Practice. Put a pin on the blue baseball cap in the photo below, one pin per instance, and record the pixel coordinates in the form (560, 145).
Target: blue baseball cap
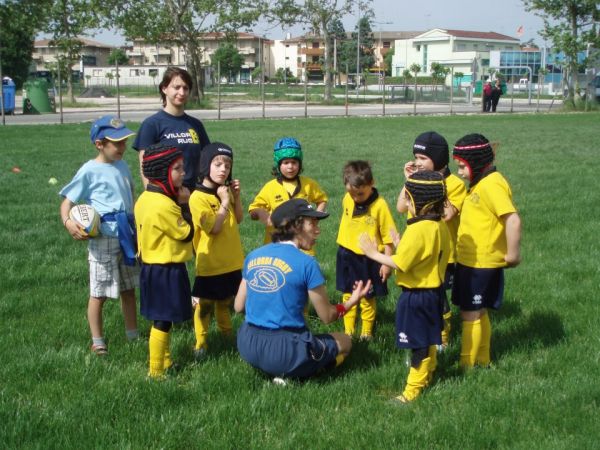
(111, 128)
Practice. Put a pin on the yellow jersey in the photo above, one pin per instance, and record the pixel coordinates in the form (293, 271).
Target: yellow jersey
(457, 192)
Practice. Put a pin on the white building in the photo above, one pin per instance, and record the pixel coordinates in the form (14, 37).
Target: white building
(464, 51)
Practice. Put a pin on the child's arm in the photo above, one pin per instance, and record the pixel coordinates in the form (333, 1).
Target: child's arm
(236, 190)
(74, 230)
(239, 304)
(369, 246)
(512, 224)
(262, 215)
(144, 179)
(385, 271)
(450, 211)
(402, 203)
(329, 313)
(223, 211)
(322, 206)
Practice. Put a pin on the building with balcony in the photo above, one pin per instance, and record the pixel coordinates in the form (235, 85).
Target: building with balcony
(92, 53)
(463, 51)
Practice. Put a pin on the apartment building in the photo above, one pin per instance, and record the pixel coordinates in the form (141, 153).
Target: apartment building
(93, 53)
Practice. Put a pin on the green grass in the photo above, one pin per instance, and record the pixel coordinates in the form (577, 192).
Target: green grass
(543, 391)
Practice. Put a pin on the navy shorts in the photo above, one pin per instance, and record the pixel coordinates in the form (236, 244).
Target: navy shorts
(351, 267)
(449, 277)
(419, 321)
(165, 292)
(475, 289)
(292, 353)
(217, 287)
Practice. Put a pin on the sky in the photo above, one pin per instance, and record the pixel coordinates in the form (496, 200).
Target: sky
(503, 17)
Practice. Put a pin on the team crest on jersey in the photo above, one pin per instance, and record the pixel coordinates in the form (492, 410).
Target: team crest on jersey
(475, 198)
(477, 299)
(402, 337)
(266, 278)
(194, 136)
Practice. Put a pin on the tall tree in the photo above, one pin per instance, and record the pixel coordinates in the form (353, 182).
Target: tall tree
(67, 21)
(365, 41)
(229, 58)
(570, 26)
(318, 16)
(182, 22)
(19, 22)
(118, 55)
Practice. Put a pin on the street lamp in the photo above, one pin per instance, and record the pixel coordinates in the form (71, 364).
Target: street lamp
(356, 79)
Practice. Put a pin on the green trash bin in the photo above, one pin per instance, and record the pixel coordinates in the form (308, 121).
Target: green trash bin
(477, 88)
(35, 97)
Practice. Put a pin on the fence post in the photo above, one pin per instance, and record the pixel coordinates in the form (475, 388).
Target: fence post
(383, 96)
(218, 90)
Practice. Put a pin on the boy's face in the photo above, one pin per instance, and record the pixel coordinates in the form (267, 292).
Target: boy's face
(111, 151)
(463, 170)
(360, 194)
(307, 237)
(289, 168)
(220, 168)
(423, 162)
(177, 173)
(177, 92)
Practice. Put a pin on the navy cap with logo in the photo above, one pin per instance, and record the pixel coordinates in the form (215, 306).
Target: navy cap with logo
(434, 146)
(111, 128)
(210, 152)
(292, 209)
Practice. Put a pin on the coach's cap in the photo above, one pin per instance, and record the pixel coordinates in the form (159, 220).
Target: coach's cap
(292, 209)
(111, 128)
(434, 146)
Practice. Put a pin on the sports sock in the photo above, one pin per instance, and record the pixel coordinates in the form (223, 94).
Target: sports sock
(349, 317)
(98, 341)
(483, 354)
(157, 344)
(202, 316)
(417, 380)
(368, 310)
(339, 359)
(432, 353)
(471, 340)
(132, 335)
(223, 316)
(447, 327)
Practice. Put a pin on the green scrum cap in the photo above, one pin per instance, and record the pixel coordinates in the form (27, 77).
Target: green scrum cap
(286, 148)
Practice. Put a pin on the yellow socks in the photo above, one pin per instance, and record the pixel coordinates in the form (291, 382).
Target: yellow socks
(202, 314)
(349, 317)
(471, 340)
(417, 380)
(447, 326)
(223, 316)
(483, 354)
(158, 345)
(432, 353)
(368, 310)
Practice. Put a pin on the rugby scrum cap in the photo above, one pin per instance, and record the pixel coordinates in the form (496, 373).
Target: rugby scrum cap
(434, 146)
(157, 164)
(210, 152)
(292, 209)
(286, 148)
(111, 128)
(425, 188)
(476, 152)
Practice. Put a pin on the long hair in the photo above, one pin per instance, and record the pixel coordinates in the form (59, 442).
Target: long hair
(168, 76)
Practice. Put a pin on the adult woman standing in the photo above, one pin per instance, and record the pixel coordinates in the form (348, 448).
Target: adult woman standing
(278, 280)
(172, 126)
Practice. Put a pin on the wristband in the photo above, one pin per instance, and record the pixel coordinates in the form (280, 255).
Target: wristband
(341, 309)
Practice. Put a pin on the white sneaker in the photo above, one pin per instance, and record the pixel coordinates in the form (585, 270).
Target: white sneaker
(279, 381)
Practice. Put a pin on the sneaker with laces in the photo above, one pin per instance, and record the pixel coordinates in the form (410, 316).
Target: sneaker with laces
(100, 349)
(279, 381)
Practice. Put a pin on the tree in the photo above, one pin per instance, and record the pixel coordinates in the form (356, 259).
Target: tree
(230, 59)
(318, 15)
(118, 55)
(438, 72)
(182, 22)
(570, 25)
(110, 76)
(459, 76)
(415, 68)
(67, 21)
(366, 58)
(387, 61)
(19, 22)
(337, 36)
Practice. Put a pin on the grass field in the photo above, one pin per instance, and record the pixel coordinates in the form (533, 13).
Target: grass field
(543, 391)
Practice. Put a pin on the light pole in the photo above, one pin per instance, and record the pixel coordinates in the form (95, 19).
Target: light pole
(358, 51)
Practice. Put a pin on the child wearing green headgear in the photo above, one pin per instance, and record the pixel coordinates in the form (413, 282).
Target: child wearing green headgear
(288, 184)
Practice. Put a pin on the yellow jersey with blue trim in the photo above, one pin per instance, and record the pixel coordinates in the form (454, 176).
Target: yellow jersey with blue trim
(457, 192)
(219, 253)
(376, 220)
(481, 241)
(275, 192)
(422, 254)
(161, 230)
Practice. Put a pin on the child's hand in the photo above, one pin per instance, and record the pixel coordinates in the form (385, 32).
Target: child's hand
(75, 231)
(235, 187)
(367, 245)
(384, 273)
(223, 194)
(183, 195)
(409, 168)
(395, 237)
(512, 260)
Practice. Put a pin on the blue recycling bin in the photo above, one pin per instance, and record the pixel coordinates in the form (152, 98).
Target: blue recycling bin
(9, 90)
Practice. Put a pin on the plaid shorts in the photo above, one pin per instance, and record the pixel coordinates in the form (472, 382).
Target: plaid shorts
(109, 276)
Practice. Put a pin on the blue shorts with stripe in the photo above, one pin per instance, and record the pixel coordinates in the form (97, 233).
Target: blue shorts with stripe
(419, 321)
(165, 292)
(292, 353)
(475, 289)
(351, 267)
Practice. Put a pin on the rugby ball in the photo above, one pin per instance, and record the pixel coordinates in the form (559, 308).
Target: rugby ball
(87, 218)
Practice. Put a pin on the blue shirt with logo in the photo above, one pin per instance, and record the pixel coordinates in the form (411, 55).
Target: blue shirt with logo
(278, 278)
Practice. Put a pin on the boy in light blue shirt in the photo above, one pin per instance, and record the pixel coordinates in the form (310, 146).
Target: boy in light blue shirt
(106, 184)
